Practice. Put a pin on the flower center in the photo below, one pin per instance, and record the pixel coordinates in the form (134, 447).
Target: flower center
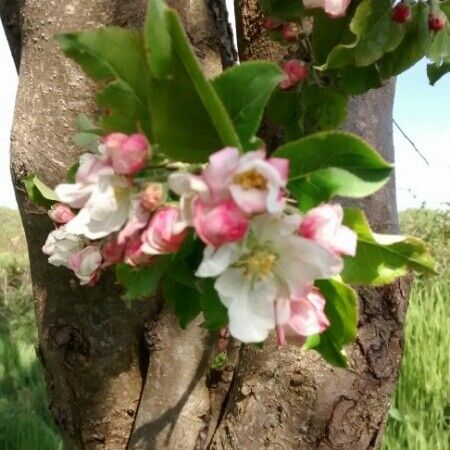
(259, 264)
(121, 193)
(251, 179)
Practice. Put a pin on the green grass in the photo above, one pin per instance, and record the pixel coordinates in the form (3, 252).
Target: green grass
(25, 422)
(420, 412)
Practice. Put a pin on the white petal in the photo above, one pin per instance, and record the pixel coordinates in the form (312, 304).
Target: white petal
(215, 261)
(252, 312)
(75, 195)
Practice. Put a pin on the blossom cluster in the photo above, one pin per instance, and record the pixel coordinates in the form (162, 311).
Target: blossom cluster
(263, 254)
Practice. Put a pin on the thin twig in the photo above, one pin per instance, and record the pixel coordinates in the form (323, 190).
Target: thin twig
(411, 142)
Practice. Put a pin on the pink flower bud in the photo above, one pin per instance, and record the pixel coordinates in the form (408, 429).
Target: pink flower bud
(269, 23)
(86, 264)
(60, 213)
(165, 232)
(295, 72)
(153, 196)
(436, 22)
(290, 32)
(401, 12)
(334, 8)
(133, 252)
(219, 224)
(128, 154)
(112, 251)
(324, 226)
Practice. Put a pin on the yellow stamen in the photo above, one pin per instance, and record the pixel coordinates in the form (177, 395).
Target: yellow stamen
(251, 179)
(259, 264)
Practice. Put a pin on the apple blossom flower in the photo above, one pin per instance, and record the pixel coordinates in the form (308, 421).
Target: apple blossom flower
(295, 71)
(334, 8)
(128, 154)
(60, 245)
(323, 225)
(303, 316)
(272, 262)
(91, 168)
(165, 232)
(85, 264)
(252, 181)
(60, 213)
(219, 224)
(103, 196)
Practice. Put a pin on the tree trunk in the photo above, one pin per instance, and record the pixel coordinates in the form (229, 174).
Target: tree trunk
(114, 371)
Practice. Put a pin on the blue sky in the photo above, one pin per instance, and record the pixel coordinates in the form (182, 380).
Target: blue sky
(421, 110)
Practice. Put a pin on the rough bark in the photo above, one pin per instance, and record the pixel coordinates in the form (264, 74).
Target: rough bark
(98, 354)
(91, 345)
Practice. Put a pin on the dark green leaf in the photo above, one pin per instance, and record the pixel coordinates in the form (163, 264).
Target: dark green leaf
(214, 312)
(189, 119)
(435, 73)
(184, 301)
(341, 308)
(333, 163)
(413, 46)
(358, 80)
(322, 108)
(39, 192)
(382, 258)
(287, 10)
(245, 90)
(141, 281)
(72, 171)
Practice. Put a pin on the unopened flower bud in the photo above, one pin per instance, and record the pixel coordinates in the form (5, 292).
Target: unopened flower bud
(401, 12)
(295, 72)
(60, 213)
(290, 32)
(112, 251)
(153, 196)
(128, 154)
(436, 22)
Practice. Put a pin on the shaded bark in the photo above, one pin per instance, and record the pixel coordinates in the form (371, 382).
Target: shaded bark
(113, 370)
(10, 11)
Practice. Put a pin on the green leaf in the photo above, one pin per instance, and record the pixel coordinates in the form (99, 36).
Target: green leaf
(72, 172)
(220, 361)
(358, 80)
(382, 258)
(184, 301)
(374, 33)
(413, 46)
(155, 30)
(141, 281)
(85, 124)
(39, 192)
(332, 163)
(86, 140)
(214, 312)
(117, 55)
(245, 90)
(189, 119)
(341, 308)
(322, 108)
(435, 73)
(327, 34)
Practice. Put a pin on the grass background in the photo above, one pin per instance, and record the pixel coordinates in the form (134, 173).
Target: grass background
(419, 417)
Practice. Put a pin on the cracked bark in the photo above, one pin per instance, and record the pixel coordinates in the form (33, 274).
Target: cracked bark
(98, 354)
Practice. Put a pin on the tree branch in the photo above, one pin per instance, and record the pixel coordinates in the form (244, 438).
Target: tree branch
(10, 11)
